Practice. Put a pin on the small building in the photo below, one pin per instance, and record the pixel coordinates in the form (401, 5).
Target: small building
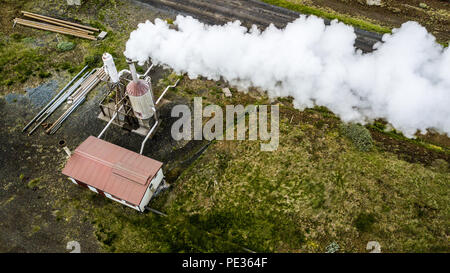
(115, 172)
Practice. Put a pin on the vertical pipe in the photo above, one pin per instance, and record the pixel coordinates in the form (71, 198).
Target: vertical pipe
(149, 133)
(133, 70)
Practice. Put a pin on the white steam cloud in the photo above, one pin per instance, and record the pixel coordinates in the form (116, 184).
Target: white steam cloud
(406, 80)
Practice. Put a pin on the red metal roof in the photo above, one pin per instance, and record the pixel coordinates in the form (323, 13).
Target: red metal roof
(112, 169)
(137, 89)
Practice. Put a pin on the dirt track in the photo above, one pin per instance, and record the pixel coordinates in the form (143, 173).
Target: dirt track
(248, 12)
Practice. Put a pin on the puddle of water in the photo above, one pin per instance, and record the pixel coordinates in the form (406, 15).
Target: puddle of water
(42, 94)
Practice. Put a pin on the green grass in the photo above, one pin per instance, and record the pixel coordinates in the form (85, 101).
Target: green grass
(35, 228)
(18, 62)
(359, 135)
(23, 60)
(44, 74)
(34, 183)
(322, 197)
(113, 44)
(320, 13)
(444, 44)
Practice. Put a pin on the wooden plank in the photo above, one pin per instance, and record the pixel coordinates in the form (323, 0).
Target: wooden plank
(58, 23)
(63, 21)
(54, 29)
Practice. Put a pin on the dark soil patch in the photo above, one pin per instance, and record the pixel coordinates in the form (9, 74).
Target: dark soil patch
(318, 117)
(407, 151)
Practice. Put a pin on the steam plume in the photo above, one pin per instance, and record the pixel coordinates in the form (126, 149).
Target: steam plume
(406, 80)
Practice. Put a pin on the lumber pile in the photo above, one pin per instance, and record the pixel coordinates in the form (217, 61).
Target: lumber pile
(58, 26)
(78, 97)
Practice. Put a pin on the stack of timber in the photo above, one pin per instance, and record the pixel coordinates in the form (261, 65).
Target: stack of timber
(74, 93)
(59, 26)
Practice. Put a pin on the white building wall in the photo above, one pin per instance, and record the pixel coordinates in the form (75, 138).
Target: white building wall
(121, 201)
(73, 180)
(92, 189)
(73, 2)
(147, 197)
(151, 189)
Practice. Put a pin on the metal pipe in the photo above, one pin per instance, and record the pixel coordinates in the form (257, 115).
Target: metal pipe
(85, 91)
(165, 90)
(53, 100)
(55, 126)
(68, 111)
(59, 102)
(133, 71)
(148, 135)
(83, 86)
(67, 115)
(146, 72)
(48, 113)
(86, 86)
(70, 91)
(63, 98)
(121, 72)
(64, 116)
(155, 211)
(77, 101)
(110, 121)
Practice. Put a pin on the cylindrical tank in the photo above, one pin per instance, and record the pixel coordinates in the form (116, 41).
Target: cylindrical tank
(110, 67)
(141, 95)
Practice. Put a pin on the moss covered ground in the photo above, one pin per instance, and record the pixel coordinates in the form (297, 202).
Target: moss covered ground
(29, 56)
(303, 8)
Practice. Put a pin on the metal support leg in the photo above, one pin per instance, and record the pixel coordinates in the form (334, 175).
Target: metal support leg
(110, 121)
(148, 135)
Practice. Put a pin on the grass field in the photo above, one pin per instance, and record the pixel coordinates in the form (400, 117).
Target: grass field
(305, 9)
